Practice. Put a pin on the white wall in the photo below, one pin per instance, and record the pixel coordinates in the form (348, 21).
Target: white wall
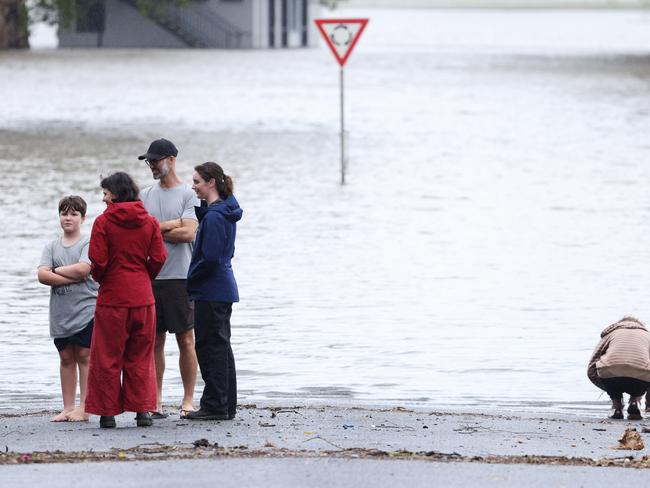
(43, 36)
(315, 12)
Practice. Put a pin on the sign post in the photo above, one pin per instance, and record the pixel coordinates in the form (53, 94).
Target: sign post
(341, 36)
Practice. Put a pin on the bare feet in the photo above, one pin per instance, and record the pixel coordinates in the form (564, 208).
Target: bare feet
(78, 415)
(62, 417)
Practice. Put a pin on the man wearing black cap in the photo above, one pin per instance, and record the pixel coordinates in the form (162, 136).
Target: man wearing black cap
(172, 202)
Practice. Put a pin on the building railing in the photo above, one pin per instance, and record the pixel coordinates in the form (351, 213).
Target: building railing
(198, 26)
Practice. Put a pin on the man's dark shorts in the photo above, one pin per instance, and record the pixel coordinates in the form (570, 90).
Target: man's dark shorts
(81, 338)
(174, 311)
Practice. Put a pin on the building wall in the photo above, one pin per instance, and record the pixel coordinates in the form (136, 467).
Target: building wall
(315, 12)
(259, 25)
(69, 38)
(125, 27)
(294, 22)
(238, 13)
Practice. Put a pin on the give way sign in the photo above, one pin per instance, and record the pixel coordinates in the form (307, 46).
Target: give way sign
(341, 35)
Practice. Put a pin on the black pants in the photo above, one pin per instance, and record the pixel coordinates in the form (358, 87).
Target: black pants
(213, 351)
(615, 387)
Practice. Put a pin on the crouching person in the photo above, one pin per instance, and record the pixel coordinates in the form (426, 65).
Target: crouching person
(621, 364)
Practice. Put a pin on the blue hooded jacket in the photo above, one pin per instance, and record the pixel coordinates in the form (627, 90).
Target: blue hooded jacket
(210, 276)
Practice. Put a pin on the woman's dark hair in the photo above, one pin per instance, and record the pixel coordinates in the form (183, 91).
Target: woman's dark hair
(212, 171)
(122, 186)
(72, 202)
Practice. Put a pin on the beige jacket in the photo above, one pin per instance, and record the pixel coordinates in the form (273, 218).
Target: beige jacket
(623, 351)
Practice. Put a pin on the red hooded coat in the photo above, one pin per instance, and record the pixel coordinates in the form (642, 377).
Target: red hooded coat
(127, 252)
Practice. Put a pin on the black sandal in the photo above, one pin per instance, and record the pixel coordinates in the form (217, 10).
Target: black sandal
(158, 415)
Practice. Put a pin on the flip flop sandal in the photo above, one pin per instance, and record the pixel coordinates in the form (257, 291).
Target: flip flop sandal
(158, 415)
(183, 412)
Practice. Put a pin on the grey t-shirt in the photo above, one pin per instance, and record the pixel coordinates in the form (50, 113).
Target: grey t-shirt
(169, 204)
(71, 306)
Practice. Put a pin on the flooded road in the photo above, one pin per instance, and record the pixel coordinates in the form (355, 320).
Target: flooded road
(496, 216)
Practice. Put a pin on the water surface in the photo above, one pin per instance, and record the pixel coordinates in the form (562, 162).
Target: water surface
(495, 218)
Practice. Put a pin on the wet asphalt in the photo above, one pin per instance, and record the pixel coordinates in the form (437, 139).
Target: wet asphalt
(297, 445)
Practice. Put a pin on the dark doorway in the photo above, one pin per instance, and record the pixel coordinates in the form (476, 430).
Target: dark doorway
(305, 23)
(285, 23)
(92, 18)
(271, 23)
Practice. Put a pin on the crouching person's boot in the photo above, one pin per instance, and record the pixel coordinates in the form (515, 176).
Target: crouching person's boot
(617, 409)
(633, 410)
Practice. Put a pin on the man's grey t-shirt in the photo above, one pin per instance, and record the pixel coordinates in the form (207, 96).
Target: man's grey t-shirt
(169, 204)
(71, 306)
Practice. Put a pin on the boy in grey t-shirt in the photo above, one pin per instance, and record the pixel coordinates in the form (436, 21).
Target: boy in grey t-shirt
(66, 268)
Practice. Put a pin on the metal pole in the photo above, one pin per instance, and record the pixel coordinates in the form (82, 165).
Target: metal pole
(342, 133)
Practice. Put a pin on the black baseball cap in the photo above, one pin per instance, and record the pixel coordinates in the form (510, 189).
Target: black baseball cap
(158, 149)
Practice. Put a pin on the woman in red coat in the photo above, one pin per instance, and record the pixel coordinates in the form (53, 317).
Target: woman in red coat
(127, 252)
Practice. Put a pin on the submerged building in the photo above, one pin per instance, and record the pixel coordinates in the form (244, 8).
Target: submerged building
(202, 24)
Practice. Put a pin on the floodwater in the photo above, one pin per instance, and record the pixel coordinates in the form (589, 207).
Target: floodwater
(496, 216)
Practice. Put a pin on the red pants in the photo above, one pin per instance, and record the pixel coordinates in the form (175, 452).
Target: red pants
(122, 346)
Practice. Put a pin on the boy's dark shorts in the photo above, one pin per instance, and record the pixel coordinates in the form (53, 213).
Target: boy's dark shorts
(81, 338)
(174, 311)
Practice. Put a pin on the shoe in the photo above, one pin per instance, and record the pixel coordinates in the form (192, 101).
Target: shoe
(617, 414)
(202, 414)
(633, 412)
(158, 415)
(107, 422)
(143, 419)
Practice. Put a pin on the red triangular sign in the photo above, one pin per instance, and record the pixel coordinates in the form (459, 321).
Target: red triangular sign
(341, 35)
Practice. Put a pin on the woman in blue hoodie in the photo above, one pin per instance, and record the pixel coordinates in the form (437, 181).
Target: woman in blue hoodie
(211, 285)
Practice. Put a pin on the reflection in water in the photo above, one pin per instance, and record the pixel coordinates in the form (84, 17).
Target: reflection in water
(494, 222)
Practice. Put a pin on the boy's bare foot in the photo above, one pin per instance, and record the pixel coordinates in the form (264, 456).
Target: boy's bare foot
(78, 415)
(62, 417)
